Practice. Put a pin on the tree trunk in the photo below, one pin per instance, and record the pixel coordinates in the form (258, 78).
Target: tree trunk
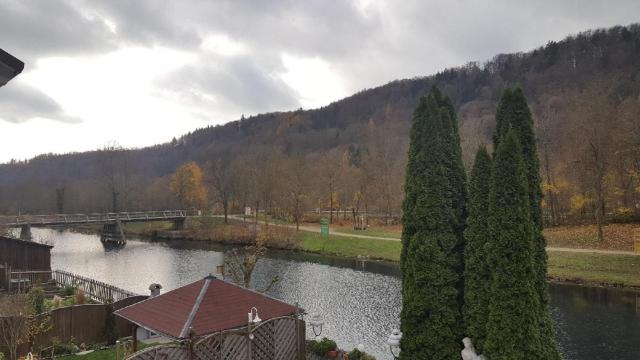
(550, 194)
(330, 203)
(114, 201)
(255, 222)
(225, 205)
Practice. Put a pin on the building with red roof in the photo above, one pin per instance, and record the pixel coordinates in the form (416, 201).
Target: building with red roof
(204, 307)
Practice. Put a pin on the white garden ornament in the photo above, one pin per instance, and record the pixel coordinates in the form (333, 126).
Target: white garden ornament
(469, 352)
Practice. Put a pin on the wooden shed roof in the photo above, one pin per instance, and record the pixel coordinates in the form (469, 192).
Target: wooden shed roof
(25, 242)
(206, 306)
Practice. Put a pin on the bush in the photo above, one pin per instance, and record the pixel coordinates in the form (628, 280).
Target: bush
(68, 290)
(60, 348)
(278, 237)
(36, 300)
(356, 354)
(311, 218)
(1, 356)
(79, 297)
(323, 347)
(623, 215)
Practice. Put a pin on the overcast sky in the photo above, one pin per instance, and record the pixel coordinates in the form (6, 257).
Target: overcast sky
(141, 72)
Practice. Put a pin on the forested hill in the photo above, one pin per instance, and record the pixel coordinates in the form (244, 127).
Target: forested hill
(584, 93)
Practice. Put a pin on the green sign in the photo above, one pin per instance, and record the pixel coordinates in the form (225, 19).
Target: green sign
(324, 227)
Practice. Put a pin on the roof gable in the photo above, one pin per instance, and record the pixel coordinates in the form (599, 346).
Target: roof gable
(205, 306)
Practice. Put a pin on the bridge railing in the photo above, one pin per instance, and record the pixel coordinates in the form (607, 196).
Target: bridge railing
(91, 218)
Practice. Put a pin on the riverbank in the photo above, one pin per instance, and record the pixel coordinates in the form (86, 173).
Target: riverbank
(564, 265)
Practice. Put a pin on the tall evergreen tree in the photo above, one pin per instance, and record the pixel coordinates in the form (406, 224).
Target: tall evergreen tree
(514, 113)
(430, 261)
(512, 325)
(457, 174)
(457, 178)
(477, 273)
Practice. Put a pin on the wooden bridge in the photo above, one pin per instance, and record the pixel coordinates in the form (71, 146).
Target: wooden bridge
(112, 229)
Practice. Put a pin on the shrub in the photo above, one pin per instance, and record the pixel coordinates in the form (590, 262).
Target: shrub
(36, 300)
(79, 297)
(1, 356)
(68, 290)
(60, 348)
(325, 345)
(278, 237)
(622, 215)
(109, 325)
(356, 354)
(312, 346)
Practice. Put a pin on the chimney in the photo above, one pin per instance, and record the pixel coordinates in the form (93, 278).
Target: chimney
(155, 289)
(220, 272)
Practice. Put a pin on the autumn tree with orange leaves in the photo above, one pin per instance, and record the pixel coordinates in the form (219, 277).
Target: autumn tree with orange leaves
(187, 184)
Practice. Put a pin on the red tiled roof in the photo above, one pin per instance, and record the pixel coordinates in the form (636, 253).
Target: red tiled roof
(207, 306)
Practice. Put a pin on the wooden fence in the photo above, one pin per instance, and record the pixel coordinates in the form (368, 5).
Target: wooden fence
(97, 290)
(280, 338)
(81, 324)
(20, 281)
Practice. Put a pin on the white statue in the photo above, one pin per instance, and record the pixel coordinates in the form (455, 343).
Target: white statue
(469, 351)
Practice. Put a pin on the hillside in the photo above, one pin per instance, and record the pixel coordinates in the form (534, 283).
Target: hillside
(584, 92)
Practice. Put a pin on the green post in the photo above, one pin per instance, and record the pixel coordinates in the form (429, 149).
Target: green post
(324, 227)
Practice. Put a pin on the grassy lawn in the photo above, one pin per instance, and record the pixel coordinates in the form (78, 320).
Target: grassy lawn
(349, 246)
(563, 266)
(616, 236)
(380, 231)
(595, 268)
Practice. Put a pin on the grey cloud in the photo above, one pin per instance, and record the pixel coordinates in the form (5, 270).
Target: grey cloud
(393, 39)
(238, 85)
(151, 22)
(20, 102)
(30, 29)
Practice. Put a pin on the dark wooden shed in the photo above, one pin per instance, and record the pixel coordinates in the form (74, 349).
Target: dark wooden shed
(22, 255)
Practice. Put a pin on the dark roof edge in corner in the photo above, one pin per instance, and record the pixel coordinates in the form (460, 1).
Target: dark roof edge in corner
(11, 61)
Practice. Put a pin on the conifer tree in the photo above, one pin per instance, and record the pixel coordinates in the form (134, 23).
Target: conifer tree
(514, 113)
(513, 332)
(457, 178)
(430, 262)
(457, 174)
(477, 273)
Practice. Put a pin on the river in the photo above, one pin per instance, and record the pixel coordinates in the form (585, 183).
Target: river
(359, 301)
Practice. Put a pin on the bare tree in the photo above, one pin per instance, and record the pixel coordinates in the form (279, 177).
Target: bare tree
(596, 148)
(222, 176)
(239, 264)
(114, 169)
(330, 171)
(296, 190)
(14, 324)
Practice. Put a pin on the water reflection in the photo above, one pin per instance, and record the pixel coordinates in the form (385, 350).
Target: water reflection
(359, 301)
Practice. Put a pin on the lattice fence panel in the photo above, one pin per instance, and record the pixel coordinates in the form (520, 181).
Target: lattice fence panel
(208, 348)
(235, 347)
(263, 344)
(162, 353)
(286, 339)
(275, 339)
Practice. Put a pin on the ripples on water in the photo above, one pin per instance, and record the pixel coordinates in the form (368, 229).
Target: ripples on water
(359, 302)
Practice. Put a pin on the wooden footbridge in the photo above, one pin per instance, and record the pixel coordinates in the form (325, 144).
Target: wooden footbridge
(112, 229)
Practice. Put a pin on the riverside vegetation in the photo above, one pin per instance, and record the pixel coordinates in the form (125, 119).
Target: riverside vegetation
(598, 269)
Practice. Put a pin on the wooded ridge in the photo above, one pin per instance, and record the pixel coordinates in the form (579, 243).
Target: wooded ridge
(584, 93)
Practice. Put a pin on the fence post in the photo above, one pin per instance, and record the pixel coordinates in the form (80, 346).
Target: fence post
(637, 241)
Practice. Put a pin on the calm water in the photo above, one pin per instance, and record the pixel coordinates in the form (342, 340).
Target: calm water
(360, 302)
